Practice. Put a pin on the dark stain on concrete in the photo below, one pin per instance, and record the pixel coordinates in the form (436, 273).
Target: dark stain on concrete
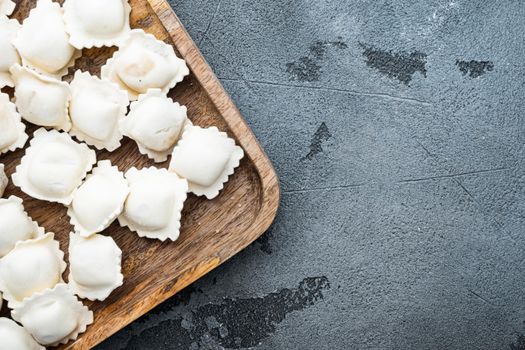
(264, 241)
(519, 344)
(475, 69)
(233, 323)
(316, 146)
(396, 65)
(308, 68)
(181, 298)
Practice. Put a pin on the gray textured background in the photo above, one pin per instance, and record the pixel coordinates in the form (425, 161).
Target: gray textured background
(397, 129)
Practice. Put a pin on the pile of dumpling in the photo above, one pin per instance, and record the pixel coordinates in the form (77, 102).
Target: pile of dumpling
(129, 99)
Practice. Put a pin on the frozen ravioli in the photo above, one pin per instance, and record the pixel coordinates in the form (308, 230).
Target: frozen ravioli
(53, 316)
(95, 109)
(205, 157)
(155, 122)
(144, 63)
(99, 200)
(154, 205)
(31, 267)
(41, 100)
(53, 167)
(43, 42)
(15, 337)
(89, 26)
(15, 225)
(9, 56)
(12, 130)
(95, 266)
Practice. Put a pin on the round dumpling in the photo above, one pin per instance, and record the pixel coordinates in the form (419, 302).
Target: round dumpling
(95, 110)
(31, 267)
(41, 100)
(88, 26)
(53, 167)
(95, 266)
(9, 56)
(53, 316)
(155, 122)
(99, 200)
(43, 42)
(15, 337)
(12, 132)
(154, 205)
(144, 63)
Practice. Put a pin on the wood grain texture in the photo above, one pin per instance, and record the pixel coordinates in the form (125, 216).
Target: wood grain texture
(212, 231)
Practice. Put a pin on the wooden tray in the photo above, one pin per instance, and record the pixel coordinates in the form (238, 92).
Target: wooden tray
(212, 231)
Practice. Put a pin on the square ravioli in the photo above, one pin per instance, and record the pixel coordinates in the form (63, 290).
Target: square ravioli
(143, 62)
(205, 157)
(96, 108)
(43, 43)
(90, 27)
(154, 205)
(41, 100)
(53, 316)
(31, 267)
(99, 200)
(95, 266)
(53, 167)
(156, 123)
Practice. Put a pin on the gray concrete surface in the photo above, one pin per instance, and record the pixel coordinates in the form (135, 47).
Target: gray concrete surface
(397, 129)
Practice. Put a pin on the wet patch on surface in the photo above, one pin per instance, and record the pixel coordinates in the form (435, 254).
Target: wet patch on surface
(396, 65)
(181, 298)
(308, 68)
(264, 241)
(475, 69)
(519, 344)
(233, 323)
(316, 146)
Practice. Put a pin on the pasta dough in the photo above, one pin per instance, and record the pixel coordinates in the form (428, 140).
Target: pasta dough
(43, 42)
(96, 108)
(7, 7)
(90, 26)
(41, 100)
(154, 205)
(15, 225)
(9, 56)
(31, 267)
(155, 122)
(144, 63)
(53, 316)
(99, 200)
(95, 266)
(53, 167)
(206, 158)
(12, 130)
(15, 337)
